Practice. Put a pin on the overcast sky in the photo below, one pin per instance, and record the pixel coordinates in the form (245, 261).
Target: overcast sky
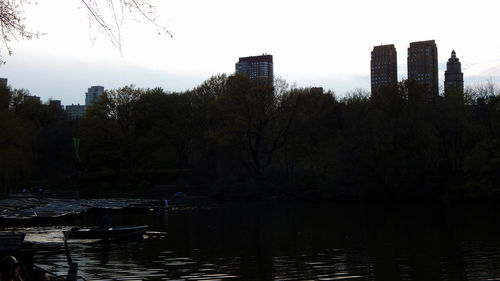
(313, 43)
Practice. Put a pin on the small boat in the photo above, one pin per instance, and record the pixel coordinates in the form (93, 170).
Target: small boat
(11, 241)
(13, 254)
(119, 232)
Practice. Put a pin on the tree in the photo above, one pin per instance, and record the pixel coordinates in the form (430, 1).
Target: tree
(482, 160)
(201, 99)
(105, 15)
(15, 152)
(248, 119)
(313, 118)
(106, 129)
(12, 22)
(165, 129)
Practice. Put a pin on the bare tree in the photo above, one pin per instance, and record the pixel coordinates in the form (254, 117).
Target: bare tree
(12, 23)
(107, 16)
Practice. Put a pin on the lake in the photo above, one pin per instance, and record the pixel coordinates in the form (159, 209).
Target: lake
(327, 241)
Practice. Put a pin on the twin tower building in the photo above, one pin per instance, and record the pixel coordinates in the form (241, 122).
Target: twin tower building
(422, 67)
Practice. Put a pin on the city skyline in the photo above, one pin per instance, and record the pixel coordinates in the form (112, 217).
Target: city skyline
(384, 70)
(317, 51)
(422, 67)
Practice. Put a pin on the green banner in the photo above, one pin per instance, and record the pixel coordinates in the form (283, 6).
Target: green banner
(76, 142)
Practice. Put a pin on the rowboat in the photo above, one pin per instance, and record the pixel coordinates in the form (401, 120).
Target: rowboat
(119, 232)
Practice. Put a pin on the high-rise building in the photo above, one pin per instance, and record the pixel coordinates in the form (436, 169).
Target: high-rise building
(384, 66)
(423, 66)
(92, 94)
(33, 99)
(55, 104)
(75, 111)
(317, 90)
(3, 82)
(453, 76)
(256, 67)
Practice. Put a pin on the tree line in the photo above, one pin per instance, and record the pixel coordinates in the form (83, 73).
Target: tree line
(232, 137)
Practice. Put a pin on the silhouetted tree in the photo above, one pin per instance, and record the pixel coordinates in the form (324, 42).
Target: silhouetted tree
(237, 132)
(168, 123)
(15, 152)
(310, 150)
(247, 115)
(202, 99)
(482, 158)
(106, 129)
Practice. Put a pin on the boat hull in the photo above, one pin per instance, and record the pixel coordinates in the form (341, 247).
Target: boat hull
(107, 233)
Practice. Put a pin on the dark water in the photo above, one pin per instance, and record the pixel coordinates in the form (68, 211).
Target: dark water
(290, 242)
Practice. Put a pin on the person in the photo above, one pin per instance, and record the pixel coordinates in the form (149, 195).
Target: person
(105, 221)
(11, 269)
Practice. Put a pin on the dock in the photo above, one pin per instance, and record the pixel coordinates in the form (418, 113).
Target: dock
(46, 210)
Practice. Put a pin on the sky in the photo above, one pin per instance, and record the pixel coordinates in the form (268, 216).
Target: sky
(314, 43)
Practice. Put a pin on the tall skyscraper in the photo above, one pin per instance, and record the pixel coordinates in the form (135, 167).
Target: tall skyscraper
(423, 66)
(384, 66)
(3, 82)
(453, 76)
(256, 67)
(92, 93)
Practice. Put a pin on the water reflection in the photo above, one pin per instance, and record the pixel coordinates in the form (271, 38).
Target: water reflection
(325, 265)
(289, 242)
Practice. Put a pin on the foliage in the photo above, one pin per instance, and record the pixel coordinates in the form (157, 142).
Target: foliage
(233, 137)
(107, 128)
(15, 153)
